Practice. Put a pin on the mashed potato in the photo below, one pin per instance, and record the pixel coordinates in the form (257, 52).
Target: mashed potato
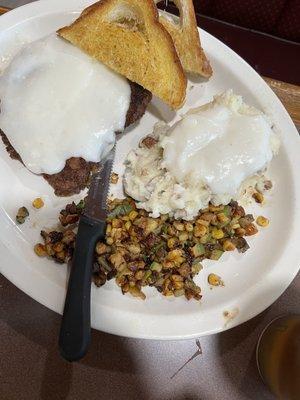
(207, 156)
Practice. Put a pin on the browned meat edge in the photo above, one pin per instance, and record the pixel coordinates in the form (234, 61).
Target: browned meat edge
(76, 174)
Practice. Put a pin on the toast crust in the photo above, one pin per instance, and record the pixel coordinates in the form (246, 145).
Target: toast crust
(187, 40)
(126, 35)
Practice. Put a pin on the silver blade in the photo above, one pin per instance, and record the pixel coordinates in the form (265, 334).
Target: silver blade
(96, 201)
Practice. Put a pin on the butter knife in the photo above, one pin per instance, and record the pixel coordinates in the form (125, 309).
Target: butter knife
(75, 331)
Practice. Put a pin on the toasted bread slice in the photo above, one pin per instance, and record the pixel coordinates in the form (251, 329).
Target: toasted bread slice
(186, 38)
(126, 36)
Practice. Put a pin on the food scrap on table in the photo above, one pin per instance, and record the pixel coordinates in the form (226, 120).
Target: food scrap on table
(230, 315)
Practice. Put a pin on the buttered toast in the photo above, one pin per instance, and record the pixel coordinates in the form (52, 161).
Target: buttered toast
(126, 35)
(186, 39)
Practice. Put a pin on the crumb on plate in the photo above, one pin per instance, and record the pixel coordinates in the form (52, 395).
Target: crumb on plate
(22, 214)
(258, 197)
(38, 203)
(215, 280)
(262, 221)
(114, 178)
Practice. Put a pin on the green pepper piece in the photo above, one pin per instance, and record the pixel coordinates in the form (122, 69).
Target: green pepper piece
(155, 266)
(216, 254)
(122, 209)
(198, 250)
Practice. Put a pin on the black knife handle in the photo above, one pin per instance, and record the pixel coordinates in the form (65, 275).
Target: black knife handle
(75, 330)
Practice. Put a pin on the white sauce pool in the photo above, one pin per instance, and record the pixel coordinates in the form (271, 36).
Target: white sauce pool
(57, 103)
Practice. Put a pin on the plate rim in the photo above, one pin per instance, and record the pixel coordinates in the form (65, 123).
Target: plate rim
(45, 7)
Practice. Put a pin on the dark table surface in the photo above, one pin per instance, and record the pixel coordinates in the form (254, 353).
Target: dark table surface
(122, 368)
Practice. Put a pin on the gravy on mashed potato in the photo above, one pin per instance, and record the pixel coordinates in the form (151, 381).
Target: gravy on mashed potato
(204, 157)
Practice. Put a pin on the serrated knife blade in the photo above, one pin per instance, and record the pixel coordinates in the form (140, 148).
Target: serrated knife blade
(96, 201)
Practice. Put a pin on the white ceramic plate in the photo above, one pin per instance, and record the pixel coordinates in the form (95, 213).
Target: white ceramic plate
(252, 281)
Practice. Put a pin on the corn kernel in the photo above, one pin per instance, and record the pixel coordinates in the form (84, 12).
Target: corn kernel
(132, 232)
(178, 225)
(171, 230)
(101, 248)
(222, 218)
(118, 261)
(38, 203)
(177, 278)
(215, 280)
(109, 241)
(207, 216)
(202, 222)
(40, 250)
(108, 229)
(68, 236)
(116, 223)
(178, 285)
(134, 248)
(217, 233)
(262, 221)
(200, 230)
(179, 260)
(189, 227)
(152, 224)
(132, 215)
(128, 225)
(228, 245)
(119, 234)
(58, 247)
(171, 243)
(183, 237)
(49, 250)
(173, 255)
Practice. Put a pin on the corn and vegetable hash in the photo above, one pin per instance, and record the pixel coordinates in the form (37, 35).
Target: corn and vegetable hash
(161, 252)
